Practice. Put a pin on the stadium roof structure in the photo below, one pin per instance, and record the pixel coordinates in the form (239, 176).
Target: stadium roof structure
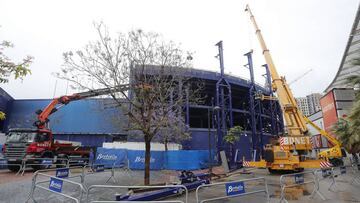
(352, 52)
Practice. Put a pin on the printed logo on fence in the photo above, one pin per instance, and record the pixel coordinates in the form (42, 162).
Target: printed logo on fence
(234, 188)
(62, 172)
(107, 157)
(342, 169)
(55, 185)
(99, 168)
(139, 159)
(47, 162)
(299, 178)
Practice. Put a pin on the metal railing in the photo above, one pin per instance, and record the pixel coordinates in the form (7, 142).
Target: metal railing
(11, 164)
(241, 191)
(175, 201)
(180, 190)
(60, 193)
(300, 179)
(356, 173)
(44, 162)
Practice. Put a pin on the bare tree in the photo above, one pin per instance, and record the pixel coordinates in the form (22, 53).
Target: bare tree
(153, 67)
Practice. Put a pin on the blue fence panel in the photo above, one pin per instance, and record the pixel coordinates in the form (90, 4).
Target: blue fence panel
(109, 157)
(187, 159)
(137, 159)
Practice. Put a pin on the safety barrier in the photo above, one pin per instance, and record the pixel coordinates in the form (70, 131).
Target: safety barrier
(175, 201)
(336, 173)
(236, 189)
(77, 161)
(4, 162)
(296, 179)
(96, 168)
(55, 184)
(45, 162)
(356, 173)
(180, 190)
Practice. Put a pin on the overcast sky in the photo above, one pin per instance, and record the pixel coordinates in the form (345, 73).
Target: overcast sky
(301, 35)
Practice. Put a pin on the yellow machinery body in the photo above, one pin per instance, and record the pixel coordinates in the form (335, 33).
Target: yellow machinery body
(290, 151)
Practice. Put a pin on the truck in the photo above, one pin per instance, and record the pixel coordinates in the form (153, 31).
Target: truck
(289, 151)
(34, 145)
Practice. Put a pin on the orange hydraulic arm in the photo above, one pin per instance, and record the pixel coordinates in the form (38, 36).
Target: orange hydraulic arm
(57, 103)
(295, 123)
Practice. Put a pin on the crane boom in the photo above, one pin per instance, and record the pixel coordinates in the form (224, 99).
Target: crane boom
(57, 103)
(295, 123)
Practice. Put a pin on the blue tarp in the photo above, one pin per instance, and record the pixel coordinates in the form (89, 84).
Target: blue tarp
(137, 159)
(108, 157)
(186, 159)
(172, 160)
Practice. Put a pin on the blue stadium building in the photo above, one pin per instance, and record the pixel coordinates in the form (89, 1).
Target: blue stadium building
(229, 101)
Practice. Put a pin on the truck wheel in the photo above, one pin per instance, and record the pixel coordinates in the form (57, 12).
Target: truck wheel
(14, 168)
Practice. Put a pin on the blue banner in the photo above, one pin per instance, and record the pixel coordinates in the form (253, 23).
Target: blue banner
(55, 185)
(299, 178)
(62, 172)
(109, 157)
(234, 188)
(137, 159)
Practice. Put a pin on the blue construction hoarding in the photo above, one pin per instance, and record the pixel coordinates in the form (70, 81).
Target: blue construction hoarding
(172, 160)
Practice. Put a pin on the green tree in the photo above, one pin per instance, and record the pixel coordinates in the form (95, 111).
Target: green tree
(9, 68)
(233, 135)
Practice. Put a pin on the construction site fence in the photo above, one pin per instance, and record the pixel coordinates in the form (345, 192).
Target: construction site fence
(349, 174)
(233, 189)
(44, 163)
(180, 189)
(88, 170)
(299, 179)
(55, 185)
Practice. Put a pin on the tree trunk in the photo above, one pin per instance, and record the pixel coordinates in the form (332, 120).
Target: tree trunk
(147, 162)
(166, 144)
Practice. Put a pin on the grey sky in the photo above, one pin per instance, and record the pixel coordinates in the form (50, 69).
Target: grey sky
(300, 35)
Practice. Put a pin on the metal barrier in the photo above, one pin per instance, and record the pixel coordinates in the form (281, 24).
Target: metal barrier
(55, 186)
(299, 179)
(181, 189)
(46, 162)
(59, 173)
(356, 173)
(78, 161)
(96, 168)
(338, 172)
(7, 164)
(235, 189)
(175, 201)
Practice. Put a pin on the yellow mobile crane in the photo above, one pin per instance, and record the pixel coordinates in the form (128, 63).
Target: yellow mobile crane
(289, 152)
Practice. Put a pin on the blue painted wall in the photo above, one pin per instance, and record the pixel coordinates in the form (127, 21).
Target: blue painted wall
(90, 116)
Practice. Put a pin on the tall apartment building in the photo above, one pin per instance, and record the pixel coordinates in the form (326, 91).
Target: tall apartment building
(309, 104)
(314, 102)
(303, 104)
